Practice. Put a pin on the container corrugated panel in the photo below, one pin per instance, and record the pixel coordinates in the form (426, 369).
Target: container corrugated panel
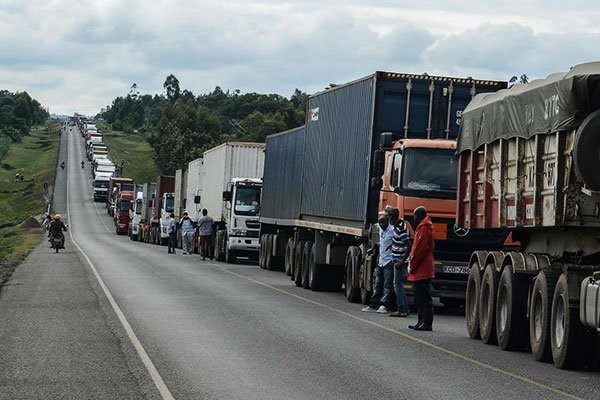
(221, 165)
(284, 155)
(337, 154)
(194, 187)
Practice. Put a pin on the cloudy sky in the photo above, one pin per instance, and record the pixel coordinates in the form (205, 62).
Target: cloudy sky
(77, 56)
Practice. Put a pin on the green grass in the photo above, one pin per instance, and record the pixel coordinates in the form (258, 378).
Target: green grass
(35, 159)
(135, 151)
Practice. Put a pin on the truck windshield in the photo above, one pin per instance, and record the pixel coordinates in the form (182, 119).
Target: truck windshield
(429, 172)
(247, 200)
(101, 184)
(124, 205)
(138, 207)
(127, 187)
(170, 204)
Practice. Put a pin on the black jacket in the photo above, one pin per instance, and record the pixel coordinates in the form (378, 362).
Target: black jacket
(57, 227)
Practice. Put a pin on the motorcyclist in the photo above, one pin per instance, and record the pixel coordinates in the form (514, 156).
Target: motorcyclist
(63, 165)
(56, 228)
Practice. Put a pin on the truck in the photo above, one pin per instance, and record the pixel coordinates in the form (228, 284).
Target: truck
(163, 203)
(387, 139)
(100, 187)
(112, 193)
(144, 224)
(123, 205)
(231, 187)
(528, 162)
(135, 213)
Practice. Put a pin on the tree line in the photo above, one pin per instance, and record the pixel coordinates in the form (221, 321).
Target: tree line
(18, 113)
(180, 125)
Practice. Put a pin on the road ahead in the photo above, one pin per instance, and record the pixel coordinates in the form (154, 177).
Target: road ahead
(194, 330)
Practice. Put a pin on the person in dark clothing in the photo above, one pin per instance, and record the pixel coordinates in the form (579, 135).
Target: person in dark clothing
(421, 269)
(172, 231)
(56, 228)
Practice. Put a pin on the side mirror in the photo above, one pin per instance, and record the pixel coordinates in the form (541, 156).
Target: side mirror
(196, 199)
(386, 140)
(227, 196)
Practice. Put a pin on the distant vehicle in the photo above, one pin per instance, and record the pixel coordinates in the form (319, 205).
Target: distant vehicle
(100, 187)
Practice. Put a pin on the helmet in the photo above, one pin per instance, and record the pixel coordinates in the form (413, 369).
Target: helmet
(57, 217)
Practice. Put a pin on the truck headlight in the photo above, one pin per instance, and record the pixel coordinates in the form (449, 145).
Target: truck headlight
(239, 232)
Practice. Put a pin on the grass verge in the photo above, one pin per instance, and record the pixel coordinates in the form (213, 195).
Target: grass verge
(135, 152)
(34, 158)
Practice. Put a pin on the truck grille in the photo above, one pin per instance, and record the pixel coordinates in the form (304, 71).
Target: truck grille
(253, 225)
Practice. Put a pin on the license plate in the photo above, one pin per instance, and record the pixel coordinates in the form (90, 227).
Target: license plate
(455, 269)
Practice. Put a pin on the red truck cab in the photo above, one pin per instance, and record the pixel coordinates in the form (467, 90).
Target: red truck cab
(123, 205)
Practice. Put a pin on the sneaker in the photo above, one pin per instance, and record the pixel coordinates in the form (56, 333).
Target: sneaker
(369, 309)
(382, 310)
(399, 314)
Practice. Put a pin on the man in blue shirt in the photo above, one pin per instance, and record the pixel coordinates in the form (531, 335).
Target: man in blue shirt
(400, 252)
(384, 273)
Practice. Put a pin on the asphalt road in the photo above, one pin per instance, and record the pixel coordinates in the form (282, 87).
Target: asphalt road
(207, 330)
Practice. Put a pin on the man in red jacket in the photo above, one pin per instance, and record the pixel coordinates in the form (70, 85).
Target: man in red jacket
(422, 269)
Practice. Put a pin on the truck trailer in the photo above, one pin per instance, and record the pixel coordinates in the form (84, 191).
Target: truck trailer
(528, 162)
(231, 187)
(145, 222)
(384, 140)
(163, 204)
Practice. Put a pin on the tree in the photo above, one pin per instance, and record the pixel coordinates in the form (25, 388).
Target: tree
(171, 86)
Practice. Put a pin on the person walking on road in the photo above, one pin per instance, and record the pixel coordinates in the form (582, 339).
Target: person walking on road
(187, 233)
(400, 252)
(421, 269)
(384, 274)
(172, 231)
(205, 233)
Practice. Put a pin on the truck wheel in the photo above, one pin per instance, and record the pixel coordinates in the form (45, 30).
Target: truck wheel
(365, 293)
(472, 301)
(539, 315)
(261, 252)
(298, 263)
(306, 263)
(289, 257)
(511, 310)
(164, 241)
(269, 251)
(135, 238)
(487, 304)
(587, 150)
(570, 341)
(219, 254)
(316, 273)
(353, 260)
(230, 256)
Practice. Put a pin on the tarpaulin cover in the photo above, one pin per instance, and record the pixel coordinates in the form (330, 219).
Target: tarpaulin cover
(558, 103)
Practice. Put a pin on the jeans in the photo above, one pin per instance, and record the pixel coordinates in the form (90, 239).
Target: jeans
(384, 285)
(399, 280)
(172, 242)
(188, 243)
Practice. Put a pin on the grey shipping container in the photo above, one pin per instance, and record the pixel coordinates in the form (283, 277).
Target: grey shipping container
(284, 155)
(343, 125)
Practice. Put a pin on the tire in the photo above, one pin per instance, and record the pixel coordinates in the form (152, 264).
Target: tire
(289, 257)
(487, 304)
(316, 272)
(306, 263)
(230, 256)
(571, 343)
(353, 261)
(135, 238)
(219, 256)
(261, 252)
(298, 263)
(512, 327)
(540, 315)
(587, 150)
(269, 252)
(472, 302)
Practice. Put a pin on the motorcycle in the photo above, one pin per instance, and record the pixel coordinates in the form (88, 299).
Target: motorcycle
(56, 241)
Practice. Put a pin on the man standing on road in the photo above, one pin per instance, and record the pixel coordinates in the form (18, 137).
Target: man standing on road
(187, 233)
(205, 233)
(172, 231)
(400, 253)
(384, 273)
(421, 269)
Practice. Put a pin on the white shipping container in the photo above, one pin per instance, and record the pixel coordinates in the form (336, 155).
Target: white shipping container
(194, 187)
(221, 165)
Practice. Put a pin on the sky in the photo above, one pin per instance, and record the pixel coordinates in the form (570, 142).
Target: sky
(77, 56)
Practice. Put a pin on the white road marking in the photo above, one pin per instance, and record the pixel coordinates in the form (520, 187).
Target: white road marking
(156, 378)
